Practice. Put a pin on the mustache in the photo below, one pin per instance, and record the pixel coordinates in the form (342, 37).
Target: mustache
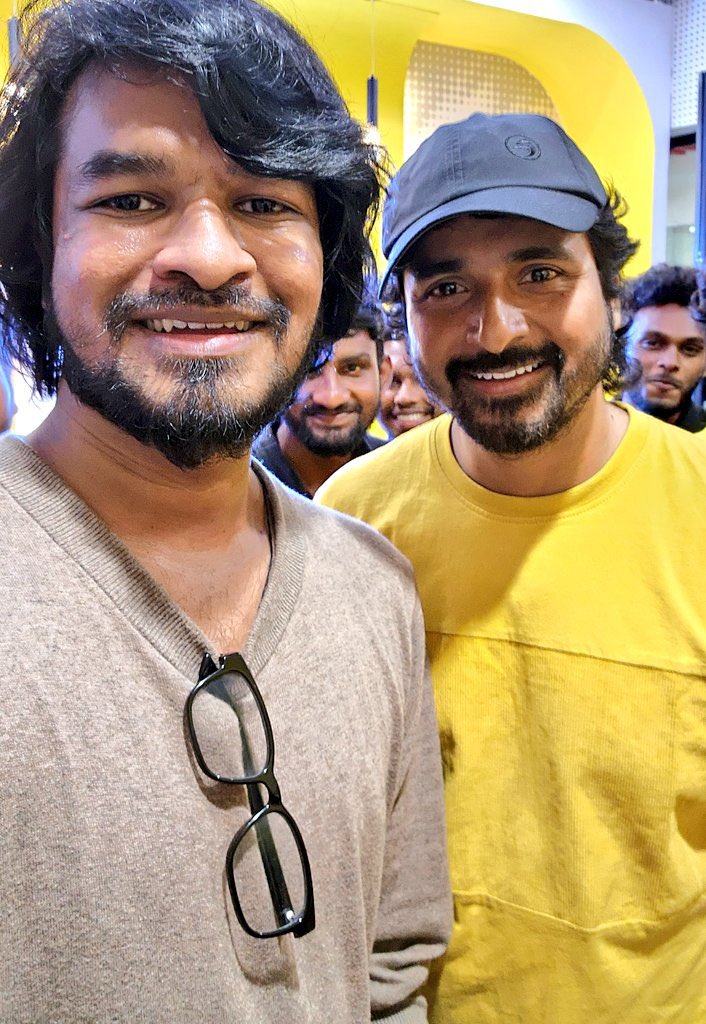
(311, 409)
(508, 359)
(128, 305)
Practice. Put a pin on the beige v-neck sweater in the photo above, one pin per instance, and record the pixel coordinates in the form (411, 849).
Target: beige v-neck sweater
(113, 900)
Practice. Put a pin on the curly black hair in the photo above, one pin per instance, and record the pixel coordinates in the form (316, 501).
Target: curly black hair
(267, 99)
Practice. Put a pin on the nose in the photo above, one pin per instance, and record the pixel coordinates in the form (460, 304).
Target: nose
(205, 246)
(409, 393)
(496, 323)
(327, 389)
(669, 358)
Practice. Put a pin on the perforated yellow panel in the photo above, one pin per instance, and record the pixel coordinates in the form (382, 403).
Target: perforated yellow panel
(447, 83)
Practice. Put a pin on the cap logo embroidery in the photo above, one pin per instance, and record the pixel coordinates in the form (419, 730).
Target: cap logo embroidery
(523, 146)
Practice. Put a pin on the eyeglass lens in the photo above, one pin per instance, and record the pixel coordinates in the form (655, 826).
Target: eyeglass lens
(229, 728)
(268, 873)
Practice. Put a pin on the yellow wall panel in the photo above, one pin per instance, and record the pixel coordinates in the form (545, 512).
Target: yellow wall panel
(596, 94)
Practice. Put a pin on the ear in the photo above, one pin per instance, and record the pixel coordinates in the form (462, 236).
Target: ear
(385, 373)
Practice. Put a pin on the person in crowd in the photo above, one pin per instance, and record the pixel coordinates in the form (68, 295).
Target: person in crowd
(567, 639)
(184, 200)
(404, 403)
(667, 343)
(326, 424)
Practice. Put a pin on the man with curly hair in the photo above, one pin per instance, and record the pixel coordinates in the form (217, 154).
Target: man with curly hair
(183, 209)
(667, 343)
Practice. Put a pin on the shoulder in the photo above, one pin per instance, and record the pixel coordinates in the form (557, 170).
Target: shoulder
(392, 470)
(265, 443)
(676, 457)
(341, 546)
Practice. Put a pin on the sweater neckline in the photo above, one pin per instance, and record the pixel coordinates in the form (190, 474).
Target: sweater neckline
(573, 500)
(85, 538)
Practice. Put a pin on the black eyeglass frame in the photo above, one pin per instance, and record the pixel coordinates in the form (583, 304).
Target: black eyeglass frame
(304, 922)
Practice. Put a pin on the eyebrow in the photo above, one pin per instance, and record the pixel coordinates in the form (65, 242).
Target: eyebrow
(110, 163)
(425, 269)
(541, 252)
(429, 268)
(690, 339)
(356, 357)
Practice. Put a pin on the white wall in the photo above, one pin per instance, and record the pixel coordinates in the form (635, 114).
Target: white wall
(642, 32)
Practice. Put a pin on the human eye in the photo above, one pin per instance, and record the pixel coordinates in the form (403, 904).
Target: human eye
(263, 205)
(352, 368)
(539, 275)
(650, 343)
(128, 202)
(444, 289)
(693, 350)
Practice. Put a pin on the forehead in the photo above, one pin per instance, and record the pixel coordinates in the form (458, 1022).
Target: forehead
(672, 321)
(106, 109)
(137, 110)
(503, 239)
(357, 344)
(396, 351)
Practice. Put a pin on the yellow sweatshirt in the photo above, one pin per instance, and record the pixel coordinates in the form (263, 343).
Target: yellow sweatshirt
(567, 636)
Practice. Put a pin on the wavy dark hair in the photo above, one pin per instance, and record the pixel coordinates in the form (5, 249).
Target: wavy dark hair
(611, 246)
(267, 99)
(661, 285)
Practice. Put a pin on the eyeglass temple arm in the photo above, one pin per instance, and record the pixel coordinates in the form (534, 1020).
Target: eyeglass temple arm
(279, 893)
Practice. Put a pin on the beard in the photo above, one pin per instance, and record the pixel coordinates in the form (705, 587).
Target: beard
(517, 424)
(660, 410)
(334, 442)
(206, 413)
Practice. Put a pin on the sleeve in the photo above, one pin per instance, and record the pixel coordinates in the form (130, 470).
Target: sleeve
(415, 912)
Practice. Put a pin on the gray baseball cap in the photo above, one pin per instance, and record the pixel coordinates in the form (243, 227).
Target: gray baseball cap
(522, 164)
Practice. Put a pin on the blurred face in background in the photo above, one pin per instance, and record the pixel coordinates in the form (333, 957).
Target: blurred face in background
(336, 404)
(404, 403)
(671, 350)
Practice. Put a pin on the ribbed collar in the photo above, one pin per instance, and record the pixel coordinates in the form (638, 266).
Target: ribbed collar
(616, 471)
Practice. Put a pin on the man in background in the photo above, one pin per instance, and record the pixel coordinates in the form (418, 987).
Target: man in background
(557, 543)
(404, 403)
(326, 424)
(667, 343)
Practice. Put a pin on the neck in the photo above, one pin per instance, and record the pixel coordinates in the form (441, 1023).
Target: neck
(201, 533)
(574, 456)
(313, 470)
(132, 486)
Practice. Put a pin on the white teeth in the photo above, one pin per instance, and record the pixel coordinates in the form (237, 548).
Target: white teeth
(169, 325)
(508, 374)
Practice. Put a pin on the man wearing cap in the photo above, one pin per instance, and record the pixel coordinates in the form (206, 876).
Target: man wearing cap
(567, 640)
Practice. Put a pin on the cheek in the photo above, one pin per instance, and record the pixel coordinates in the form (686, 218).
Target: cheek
(296, 266)
(98, 268)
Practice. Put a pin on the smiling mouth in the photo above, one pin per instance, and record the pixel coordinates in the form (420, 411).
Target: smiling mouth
(518, 371)
(167, 326)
